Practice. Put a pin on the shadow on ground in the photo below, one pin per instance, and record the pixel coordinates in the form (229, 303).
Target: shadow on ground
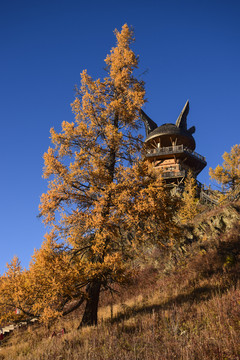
(197, 295)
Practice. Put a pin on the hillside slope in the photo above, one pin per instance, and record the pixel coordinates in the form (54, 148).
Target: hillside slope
(184, 305)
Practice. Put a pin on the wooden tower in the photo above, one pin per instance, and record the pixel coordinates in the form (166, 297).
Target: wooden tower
(170, 148)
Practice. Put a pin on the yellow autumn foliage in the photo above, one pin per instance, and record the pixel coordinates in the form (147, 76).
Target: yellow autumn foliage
(228, 174)
(189, 202)
(42, 290)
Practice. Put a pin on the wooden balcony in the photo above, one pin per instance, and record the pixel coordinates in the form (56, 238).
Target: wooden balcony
(173, 174)
(171, 150)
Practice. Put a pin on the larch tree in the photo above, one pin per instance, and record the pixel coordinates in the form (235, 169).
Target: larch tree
(43, 290)
(228, 175)
(11, 290)
(103, 201)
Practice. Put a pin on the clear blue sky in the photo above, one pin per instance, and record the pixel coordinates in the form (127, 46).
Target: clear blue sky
(188, 49)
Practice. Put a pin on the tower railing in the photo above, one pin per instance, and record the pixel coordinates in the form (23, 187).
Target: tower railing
(173, 150)
(173, 174)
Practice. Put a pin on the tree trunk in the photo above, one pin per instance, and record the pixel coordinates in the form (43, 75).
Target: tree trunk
(91, 309)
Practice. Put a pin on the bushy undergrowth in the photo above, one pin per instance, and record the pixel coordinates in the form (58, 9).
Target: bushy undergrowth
(189, 312)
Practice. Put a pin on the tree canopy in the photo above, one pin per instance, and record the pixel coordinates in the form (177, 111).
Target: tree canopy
(106, 198)
(228, 174)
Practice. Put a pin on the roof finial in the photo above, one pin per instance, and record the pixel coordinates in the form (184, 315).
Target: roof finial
(150, 125)
(182, 119)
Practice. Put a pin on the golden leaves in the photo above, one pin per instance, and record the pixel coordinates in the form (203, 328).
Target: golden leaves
(229, 173)
(189, 202)
(121, 62)
(41, 291)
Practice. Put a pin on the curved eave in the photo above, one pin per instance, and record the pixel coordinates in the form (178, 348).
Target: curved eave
(169, 133)
(166, 138)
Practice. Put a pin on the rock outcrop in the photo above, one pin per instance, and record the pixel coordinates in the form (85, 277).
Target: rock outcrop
(213, 222)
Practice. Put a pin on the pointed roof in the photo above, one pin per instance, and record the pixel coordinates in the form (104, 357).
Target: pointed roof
(179, 129)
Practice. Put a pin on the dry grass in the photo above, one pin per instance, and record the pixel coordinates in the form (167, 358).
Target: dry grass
(193, 312)
(152, 330)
